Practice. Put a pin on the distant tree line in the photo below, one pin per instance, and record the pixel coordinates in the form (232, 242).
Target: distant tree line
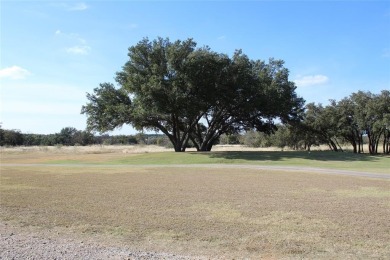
(68, 136)
(319, 127)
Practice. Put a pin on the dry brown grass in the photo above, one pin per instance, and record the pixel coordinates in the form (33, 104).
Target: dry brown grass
(216, 212)
(96, 149)
(94, 153)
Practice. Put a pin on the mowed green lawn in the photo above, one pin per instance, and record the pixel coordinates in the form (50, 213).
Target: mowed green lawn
(199, 211)
(319, 159)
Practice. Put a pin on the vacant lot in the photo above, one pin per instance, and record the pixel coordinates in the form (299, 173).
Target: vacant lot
(217, 212)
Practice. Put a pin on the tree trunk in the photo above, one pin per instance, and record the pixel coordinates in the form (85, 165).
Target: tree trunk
(353, 138)
(333, 146)
(376, 145)
(386, 142)
(204, 147)
(361, 144)
(370, 143)
(373, 141)
(337, 143)
(208, 143)
(178, 147)
(354, 146)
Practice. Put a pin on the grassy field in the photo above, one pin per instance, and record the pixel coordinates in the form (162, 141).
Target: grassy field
(215, 212)
(133, 155)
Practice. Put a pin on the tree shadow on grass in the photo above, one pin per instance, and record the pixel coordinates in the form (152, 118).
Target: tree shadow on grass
(281, 156)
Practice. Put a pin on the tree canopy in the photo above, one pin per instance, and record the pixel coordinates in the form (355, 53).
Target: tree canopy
(193, 94)
(360, 114)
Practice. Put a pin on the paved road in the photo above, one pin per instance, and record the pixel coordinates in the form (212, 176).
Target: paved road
(219, 166)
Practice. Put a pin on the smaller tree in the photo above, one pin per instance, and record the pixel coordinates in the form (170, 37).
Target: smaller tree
(347, 124)
(66, 136)
(372, 116)
(321, 124)
(11, 137)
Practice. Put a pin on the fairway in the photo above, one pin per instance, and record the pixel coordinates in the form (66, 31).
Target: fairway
(199, 211)
(153, 155)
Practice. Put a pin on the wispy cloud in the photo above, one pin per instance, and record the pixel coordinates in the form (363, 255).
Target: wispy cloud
(82, 50)
(69, 36)
(80, 6)
(14, 72)
(222, 37)
(79, 47)
(311, 80)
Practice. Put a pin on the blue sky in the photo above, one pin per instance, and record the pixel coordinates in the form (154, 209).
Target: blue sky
(53, 52)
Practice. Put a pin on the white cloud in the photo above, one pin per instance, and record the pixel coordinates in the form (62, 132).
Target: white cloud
(81, 47)
(79, 50)
(14, 72)
(81, 6)
(78, 7)
(69, 36)
(311, 80)
(222, 37)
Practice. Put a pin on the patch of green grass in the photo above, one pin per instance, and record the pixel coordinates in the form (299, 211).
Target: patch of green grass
(168, 158)
(318, 159)
(69, 161)
(365, 192)
(321, 159)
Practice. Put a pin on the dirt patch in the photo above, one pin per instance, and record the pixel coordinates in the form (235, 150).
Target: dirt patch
(32, 243)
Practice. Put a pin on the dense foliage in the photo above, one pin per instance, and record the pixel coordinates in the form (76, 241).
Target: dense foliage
(360, 114)
(193, 94)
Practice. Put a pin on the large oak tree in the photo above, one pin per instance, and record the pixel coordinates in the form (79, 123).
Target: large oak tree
(193, 94)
